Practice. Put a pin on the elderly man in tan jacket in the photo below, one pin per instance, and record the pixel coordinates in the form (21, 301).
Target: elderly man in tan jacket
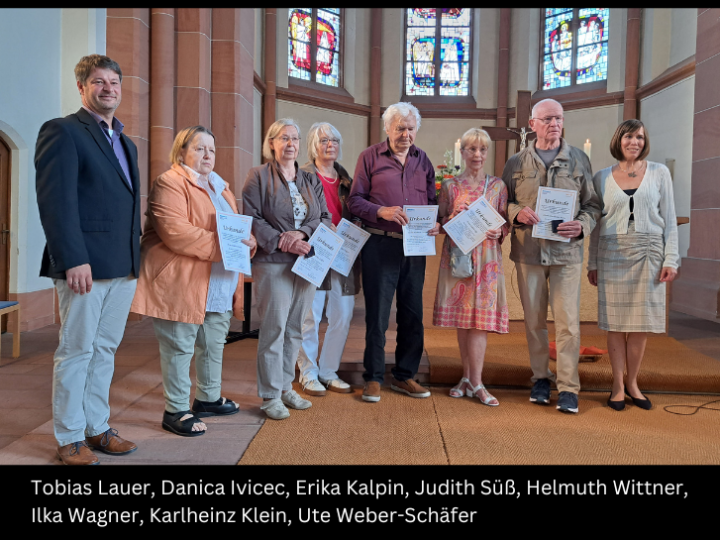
(548, 269)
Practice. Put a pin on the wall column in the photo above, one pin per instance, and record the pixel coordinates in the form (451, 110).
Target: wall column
(632, 63)
(162, 90)
(233, 34)
(270, 52)
(194, 29)
(696, 291)
(374, 127)
(503, 85)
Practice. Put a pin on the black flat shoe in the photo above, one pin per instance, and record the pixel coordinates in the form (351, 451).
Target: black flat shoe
(616, 405)
(184, 428)
(221, 407)
(642, 403)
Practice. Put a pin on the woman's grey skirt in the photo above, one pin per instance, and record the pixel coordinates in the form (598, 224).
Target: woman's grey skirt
(631, 297)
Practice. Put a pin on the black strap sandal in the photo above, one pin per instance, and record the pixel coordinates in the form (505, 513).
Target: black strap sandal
(184, 428)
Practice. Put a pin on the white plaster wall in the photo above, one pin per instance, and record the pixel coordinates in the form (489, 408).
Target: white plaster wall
(393, 51)
(668, 116)
(357, 54)
(597, 124)
(485, 57)
(436, 135)
(524, 51)
(684, 34)
(281, 47)
(54, 39)
(353, 129)
(655, 52)
(617, 44)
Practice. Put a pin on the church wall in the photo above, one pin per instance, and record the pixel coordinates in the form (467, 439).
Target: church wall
(353, 129)
(668, 118)
(50, 40)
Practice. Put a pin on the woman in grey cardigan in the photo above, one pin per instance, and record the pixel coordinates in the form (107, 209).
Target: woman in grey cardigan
(633, 253)
(287, 205)
(324, 150)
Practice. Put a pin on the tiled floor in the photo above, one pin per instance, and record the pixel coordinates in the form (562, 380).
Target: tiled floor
(136, 397)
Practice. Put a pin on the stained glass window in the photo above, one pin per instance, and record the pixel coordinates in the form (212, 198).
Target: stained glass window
(575, 46)
(426, 72)
(314, 44)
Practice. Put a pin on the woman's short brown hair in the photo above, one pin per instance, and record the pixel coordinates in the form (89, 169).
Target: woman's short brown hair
(183, 138)
(628, 126)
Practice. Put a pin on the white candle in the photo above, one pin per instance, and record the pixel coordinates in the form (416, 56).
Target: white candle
(458, 159)
(588, 148)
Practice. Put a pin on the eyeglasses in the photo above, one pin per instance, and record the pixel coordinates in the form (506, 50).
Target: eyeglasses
(549, 119)
(325, 141)
(475, 150)
(285, 139)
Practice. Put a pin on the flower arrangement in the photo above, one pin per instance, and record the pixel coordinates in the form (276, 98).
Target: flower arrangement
(446, 170)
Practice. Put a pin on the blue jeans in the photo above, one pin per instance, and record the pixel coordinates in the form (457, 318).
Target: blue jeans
(385, 272)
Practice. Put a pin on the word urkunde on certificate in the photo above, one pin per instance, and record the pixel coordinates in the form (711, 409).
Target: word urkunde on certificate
(415, 234)
(326, 246)
(355, 239)
(232, 230)
(469, 228)
(552, 204)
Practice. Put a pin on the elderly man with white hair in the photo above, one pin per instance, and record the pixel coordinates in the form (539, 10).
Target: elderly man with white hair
(548, 269)
(389, 175)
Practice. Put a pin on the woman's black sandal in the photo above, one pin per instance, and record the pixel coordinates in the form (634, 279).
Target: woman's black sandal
(184, 428)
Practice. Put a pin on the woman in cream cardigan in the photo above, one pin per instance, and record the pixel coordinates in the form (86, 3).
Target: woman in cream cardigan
(633, 252)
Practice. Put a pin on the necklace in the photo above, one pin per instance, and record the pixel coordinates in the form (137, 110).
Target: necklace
(328, 179)
(631, 173)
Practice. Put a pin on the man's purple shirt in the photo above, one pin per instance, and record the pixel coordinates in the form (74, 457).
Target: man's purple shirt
(115, 142)
(380, 180)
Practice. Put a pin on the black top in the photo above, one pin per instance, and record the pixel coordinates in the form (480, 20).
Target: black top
(631, 192)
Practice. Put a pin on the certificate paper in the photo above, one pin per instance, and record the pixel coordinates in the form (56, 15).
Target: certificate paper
(553, 203)
(326, 245)
(232, 229)
(355, 239)
(469, 228)
(415, 234)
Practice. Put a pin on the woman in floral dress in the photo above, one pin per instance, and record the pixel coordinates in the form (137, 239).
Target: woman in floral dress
(477, 304)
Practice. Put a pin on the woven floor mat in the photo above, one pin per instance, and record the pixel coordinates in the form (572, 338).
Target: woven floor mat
(341, 429)
(668, 365)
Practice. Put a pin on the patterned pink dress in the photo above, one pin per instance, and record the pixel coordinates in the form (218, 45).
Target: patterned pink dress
(478, 301)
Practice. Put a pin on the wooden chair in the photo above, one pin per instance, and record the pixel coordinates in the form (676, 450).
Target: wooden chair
(13, 310)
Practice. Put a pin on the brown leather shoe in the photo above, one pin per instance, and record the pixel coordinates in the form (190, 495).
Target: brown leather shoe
(409, 387)
(371, 392)
(77, 453)
(110, 443)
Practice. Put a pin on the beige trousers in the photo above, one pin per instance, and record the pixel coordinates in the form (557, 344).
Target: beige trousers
(560, 284)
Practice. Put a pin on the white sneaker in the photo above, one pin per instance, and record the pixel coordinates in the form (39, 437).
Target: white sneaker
(293, 400)
(337, 385)
(312, 387)
(275, 409)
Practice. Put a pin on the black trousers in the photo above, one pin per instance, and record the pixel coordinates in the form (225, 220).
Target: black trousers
(385, 273)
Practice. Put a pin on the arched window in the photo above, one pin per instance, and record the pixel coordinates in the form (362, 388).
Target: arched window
(575, 46)
(314, 45)
(425, 28)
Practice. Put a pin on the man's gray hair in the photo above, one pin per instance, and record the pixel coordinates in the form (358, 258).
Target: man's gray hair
(273, 132)
(543, 102)
(400, 110)
(317, 130)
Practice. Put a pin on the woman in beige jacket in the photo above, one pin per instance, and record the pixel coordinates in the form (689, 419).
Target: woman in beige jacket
(183, 283)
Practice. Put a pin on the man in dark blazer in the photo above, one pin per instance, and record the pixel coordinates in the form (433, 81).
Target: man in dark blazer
(88, 191)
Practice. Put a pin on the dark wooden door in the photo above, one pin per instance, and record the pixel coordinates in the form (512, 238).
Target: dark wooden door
(5, 224)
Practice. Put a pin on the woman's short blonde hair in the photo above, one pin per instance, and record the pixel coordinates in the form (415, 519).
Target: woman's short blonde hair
(474, 135)
(628, 126)
(317, 130)
(273, 132)
(183, 139)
